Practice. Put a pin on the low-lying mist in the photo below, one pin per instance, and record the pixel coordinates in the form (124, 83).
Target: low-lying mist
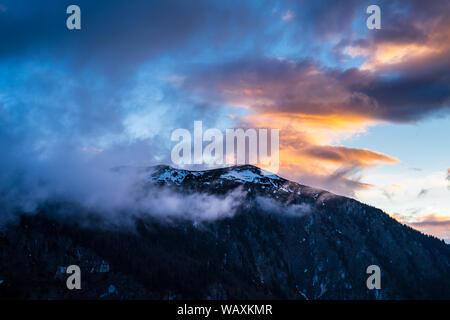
(115, 196)
(76, 187)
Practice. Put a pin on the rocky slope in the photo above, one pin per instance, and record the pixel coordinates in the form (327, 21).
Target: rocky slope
(284, 241)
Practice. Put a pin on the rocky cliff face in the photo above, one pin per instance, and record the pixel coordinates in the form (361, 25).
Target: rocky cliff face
(284, 241)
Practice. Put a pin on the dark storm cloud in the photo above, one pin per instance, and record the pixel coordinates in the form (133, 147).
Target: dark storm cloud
(412, 21)
(405, 97)
(344, 21)
(274, 85)
(120, 36)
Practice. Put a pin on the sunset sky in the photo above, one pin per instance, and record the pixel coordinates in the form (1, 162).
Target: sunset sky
(362, 113)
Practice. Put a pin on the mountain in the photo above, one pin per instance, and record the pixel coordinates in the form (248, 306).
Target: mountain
(279, 240)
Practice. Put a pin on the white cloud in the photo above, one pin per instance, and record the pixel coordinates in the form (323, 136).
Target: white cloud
(289, 15)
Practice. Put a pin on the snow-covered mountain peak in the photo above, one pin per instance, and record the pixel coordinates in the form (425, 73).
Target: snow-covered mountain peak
(248, 173)
(239, 174)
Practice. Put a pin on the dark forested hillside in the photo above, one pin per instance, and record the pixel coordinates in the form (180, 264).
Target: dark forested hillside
(284, 241)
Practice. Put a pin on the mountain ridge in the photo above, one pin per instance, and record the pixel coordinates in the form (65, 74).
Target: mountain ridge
(285, 241)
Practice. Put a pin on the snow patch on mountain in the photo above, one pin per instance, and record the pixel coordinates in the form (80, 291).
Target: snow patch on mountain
(244, 176)
(248, 175)
(175, 176)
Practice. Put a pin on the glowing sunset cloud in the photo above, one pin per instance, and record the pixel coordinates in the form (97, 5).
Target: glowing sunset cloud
(432, 223)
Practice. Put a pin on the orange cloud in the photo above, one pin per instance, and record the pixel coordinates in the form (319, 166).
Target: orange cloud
(432, 223)
(392, 53)
(430, 43)
(344, 155)
(306, 154)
